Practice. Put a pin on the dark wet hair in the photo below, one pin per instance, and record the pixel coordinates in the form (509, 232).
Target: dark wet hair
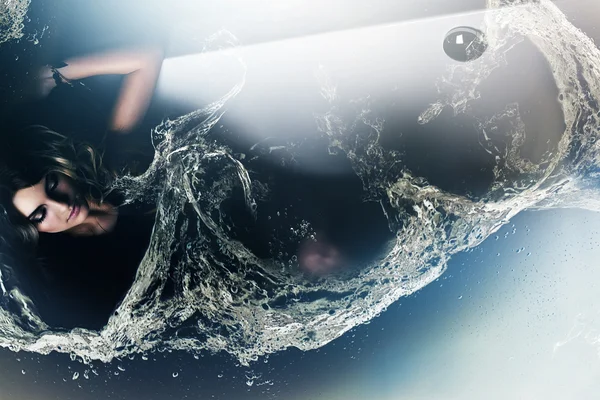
(29, 155)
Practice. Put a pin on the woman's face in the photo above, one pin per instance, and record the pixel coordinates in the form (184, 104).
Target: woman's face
(53, 204)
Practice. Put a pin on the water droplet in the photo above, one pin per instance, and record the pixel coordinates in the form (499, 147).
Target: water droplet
(144, 357)
(460, 297)
(23, 371)
(75, 376)
(220, 376)
(120, 368)
(175, 374)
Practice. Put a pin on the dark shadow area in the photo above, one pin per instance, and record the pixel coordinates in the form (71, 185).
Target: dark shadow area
(334, 207)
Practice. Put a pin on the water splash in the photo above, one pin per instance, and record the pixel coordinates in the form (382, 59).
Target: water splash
(226, 298)
(12, 17)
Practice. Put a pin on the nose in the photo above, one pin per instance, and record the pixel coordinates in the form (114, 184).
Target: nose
(60, 209)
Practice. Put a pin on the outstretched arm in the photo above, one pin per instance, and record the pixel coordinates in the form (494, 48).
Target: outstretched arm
(142, 68)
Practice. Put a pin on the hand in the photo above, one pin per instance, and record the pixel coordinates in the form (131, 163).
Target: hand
(43, 81)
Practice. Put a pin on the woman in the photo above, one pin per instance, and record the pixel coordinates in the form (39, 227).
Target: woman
(55, 193)
(57, 185)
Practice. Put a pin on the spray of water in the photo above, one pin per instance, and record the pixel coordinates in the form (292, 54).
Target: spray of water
(223, 297)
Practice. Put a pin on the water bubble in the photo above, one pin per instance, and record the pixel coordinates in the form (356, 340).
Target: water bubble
(220, 376)
(23, 371)
(460, 297)
(175, 374)
(120, 368)
(75, 376)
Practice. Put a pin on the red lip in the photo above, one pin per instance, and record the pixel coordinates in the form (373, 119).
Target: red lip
(74, 212)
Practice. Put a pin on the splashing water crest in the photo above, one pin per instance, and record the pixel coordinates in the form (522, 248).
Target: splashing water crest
(221, 287)
(12, 17)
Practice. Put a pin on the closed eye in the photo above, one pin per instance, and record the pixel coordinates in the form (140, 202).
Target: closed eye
(38, 216)
(51, 182)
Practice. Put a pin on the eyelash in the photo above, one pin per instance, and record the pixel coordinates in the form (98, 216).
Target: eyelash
(49, 188)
